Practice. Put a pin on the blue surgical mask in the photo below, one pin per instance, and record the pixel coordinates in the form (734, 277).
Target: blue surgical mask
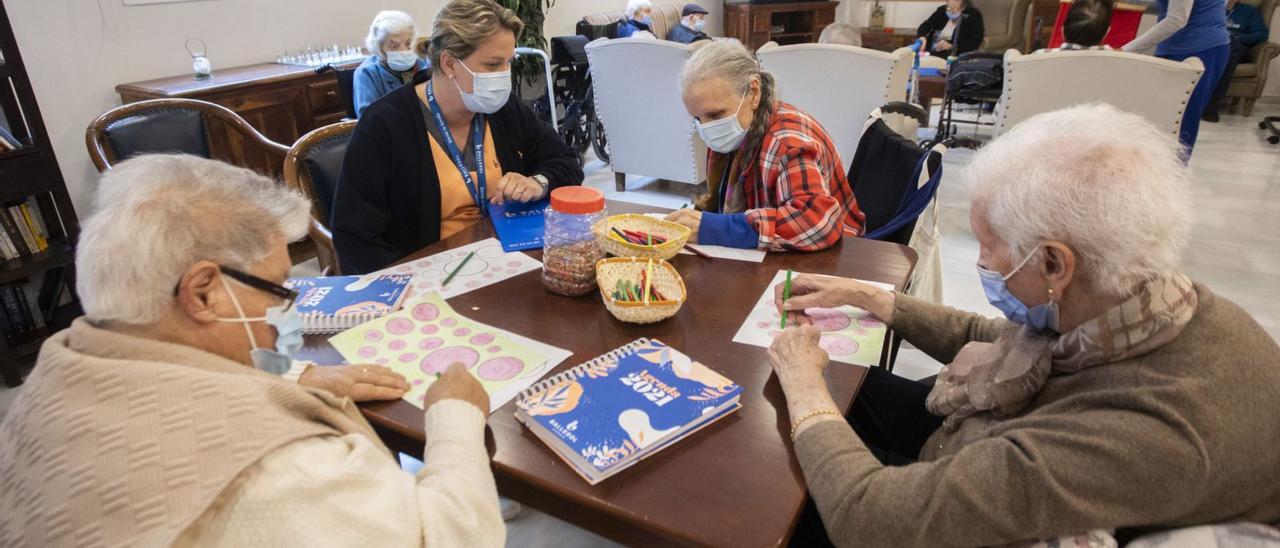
(953, 16)
(726, 134)
(489, 90)
(1043, 317)
(699, 25)
(648, 20)
(401, 60)
(288, 325)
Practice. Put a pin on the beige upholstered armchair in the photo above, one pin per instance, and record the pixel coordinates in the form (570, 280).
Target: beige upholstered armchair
(1005, 22)
(1250, 77)
(664, 18)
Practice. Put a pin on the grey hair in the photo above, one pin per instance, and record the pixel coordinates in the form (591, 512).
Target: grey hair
(729, 60)
(636, 5)
(1107, 183)
(841, 33)
(155, 216)
(386, 23)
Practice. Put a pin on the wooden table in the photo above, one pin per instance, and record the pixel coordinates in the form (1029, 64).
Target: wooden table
(887, 39)
(734, 483)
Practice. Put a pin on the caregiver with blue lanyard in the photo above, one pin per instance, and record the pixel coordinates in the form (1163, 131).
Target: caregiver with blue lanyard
(1190, 28)
(424, 163)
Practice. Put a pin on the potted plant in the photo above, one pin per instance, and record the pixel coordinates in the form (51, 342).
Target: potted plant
(528, 69)
(877, 15)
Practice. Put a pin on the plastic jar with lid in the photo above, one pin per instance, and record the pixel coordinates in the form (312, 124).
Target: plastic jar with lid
(570, 247)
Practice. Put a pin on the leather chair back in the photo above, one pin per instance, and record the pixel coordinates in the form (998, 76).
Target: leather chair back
(1154, 88)
(181, 126)
(312, 167)
(838, 85)
(638, 102)
(158, 131)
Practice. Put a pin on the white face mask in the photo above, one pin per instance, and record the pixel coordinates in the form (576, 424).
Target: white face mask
(490, 90)
(726, 134)
(401, 60)
(699, 25)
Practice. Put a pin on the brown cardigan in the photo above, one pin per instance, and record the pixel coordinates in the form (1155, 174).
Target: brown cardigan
(1185, 435)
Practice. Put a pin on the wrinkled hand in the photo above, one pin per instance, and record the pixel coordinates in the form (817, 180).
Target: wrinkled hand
(457, 384)
(941, 45)
(797, 358)
(358, 382)
(809, 291)
(517, 187)
(691, 218)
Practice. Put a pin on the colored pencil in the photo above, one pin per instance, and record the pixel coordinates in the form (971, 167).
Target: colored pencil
(786, 294)
(449, 278)
(697, 251)
(648, 279)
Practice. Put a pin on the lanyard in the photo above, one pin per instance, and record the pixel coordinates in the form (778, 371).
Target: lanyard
(477, 137)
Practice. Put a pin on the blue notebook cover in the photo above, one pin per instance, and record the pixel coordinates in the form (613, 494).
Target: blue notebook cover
(519, 225)
(618, 408)
(341, 302)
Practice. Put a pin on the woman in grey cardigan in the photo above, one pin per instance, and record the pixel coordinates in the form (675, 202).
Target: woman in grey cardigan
(1119, 395)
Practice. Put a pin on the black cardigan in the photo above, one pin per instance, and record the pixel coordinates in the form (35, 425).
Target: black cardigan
(970, 30)
(387, 201)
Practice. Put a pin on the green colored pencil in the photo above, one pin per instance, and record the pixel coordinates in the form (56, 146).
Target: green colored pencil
(786, 294)
(457, 269)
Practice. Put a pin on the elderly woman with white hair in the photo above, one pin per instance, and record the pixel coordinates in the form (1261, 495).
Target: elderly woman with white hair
(159, 418)
(392, 61)
(638, 20)
(1118, 394)
(775, 179)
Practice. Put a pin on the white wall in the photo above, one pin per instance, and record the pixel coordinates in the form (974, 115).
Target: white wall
(76, 51)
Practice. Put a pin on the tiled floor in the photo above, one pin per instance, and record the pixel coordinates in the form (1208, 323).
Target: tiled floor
(1235, 249)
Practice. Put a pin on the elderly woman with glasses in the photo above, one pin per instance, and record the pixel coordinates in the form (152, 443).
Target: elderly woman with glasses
(160, 417)
(393, 59)
(1116, 395)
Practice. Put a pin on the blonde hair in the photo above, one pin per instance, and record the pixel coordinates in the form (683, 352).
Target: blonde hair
(730, 61)
(462, 25)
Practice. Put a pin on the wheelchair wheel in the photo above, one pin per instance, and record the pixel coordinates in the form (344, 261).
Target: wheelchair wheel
(599, 143)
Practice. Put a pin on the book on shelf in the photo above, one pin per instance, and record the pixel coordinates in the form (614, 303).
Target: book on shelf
(7, 140)
(338, 303)
(20, 309)
(611, 412)
(22, 229)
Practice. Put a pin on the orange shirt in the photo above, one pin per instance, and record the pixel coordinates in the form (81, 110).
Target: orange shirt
(457, 209)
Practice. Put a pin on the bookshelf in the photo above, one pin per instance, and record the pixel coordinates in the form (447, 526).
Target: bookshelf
(29, 174)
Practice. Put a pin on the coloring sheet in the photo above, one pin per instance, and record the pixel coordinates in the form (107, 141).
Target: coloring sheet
(849, 334)
(490, 265)
(428, 335)
(719, 251)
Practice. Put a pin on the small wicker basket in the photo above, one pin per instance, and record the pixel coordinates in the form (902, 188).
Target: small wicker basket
(677, 235)
(665, 279)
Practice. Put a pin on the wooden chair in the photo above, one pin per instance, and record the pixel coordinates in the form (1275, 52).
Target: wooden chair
(312, 167)
(180, 125)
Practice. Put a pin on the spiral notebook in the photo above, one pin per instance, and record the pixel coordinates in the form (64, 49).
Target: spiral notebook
(519, 225)
(338, 303)
(611, 412)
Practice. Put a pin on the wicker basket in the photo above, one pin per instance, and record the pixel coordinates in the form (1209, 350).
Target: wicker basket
(675, 234)
(665, 279)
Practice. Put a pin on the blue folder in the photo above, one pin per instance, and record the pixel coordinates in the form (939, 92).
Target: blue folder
(519, 225)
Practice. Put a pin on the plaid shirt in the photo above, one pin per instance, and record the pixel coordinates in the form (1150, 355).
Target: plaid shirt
(796, 193)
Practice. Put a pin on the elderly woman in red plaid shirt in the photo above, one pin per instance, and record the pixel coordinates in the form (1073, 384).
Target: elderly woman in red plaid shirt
(773, 174)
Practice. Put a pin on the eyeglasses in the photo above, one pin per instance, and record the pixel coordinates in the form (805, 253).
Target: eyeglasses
(255, 282)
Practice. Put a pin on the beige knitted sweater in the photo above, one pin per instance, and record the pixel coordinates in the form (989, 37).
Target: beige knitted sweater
(123, 441)
(1184, 435)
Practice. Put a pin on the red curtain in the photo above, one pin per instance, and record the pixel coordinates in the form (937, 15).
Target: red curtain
(1124, 24)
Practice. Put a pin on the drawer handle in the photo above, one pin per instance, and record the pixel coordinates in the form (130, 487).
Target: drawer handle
(330, 93)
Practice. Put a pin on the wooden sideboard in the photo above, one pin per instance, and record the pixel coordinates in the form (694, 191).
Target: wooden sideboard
(753, 24)
(887, 39)
(284, 102)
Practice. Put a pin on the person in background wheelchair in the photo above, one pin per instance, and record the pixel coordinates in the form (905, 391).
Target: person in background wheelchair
(639, 20)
